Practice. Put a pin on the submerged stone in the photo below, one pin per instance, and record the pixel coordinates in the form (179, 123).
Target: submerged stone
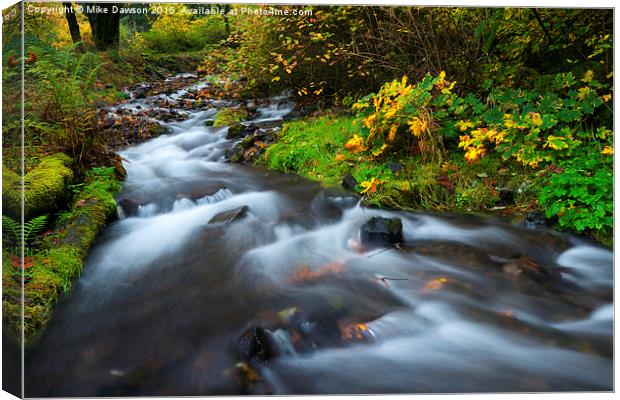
(209, 190)
(130, 207)
(381, 232)
(535, 219)
(256, 346)
(526, 268)
(230, 216)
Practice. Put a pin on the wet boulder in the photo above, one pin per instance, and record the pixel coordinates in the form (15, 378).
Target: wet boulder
(247, 142)
(140, 92)
(235, 131)
(256, 346)
(267, 124)
(535, 219)
(231, 116)
(264, 135)
(344, 201)
(130, 207)
(173, 115)
(349, 182)
(381, 232)
(156, 130)
(209, 190)
(230, 216)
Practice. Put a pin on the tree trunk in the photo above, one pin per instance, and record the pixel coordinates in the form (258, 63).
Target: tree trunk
(226, 21)
(74, 28)
(104, 24)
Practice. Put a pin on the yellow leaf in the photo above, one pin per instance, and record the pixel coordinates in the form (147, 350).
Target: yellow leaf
(536, 119)
(417, 126)
(464, 125)
(370, 186)
(474, 153)
(583, 92)
(275, 79)
(556, 142)
(608, 151)
(355, 144)
(392, 133)
(379, 151)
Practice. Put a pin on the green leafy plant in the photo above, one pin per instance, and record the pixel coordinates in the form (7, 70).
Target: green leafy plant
(401, 112)
(533, 127)
(581, 196)
(61, 90)
(29, 231)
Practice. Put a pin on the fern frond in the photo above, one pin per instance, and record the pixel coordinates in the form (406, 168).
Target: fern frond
(34, 227)
(12, 228)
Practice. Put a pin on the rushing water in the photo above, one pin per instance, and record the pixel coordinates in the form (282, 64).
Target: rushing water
(165, 296)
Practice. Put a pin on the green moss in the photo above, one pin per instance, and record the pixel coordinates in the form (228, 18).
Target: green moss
(54, 269)
(309, 147)
(11, 193)
(157, 130)
(44, 187)
(235, 131)
(314, 148)
(230, 116)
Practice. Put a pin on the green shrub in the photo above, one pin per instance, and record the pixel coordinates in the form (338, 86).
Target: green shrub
(172, 33)
(581, 195)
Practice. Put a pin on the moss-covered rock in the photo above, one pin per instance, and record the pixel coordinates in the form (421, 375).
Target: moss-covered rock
(11, 193)
(235, 131)
(50, 272)
(157, 130)
(44, 187)
(229, 116)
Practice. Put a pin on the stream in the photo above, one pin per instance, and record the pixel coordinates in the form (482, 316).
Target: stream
(279, 296)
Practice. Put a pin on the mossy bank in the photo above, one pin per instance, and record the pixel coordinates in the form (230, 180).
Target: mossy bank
(315, 148)
(44, 187)
(51, 266)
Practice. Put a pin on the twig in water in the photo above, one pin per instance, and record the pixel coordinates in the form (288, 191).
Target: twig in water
(384, 279)
(395, 245)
